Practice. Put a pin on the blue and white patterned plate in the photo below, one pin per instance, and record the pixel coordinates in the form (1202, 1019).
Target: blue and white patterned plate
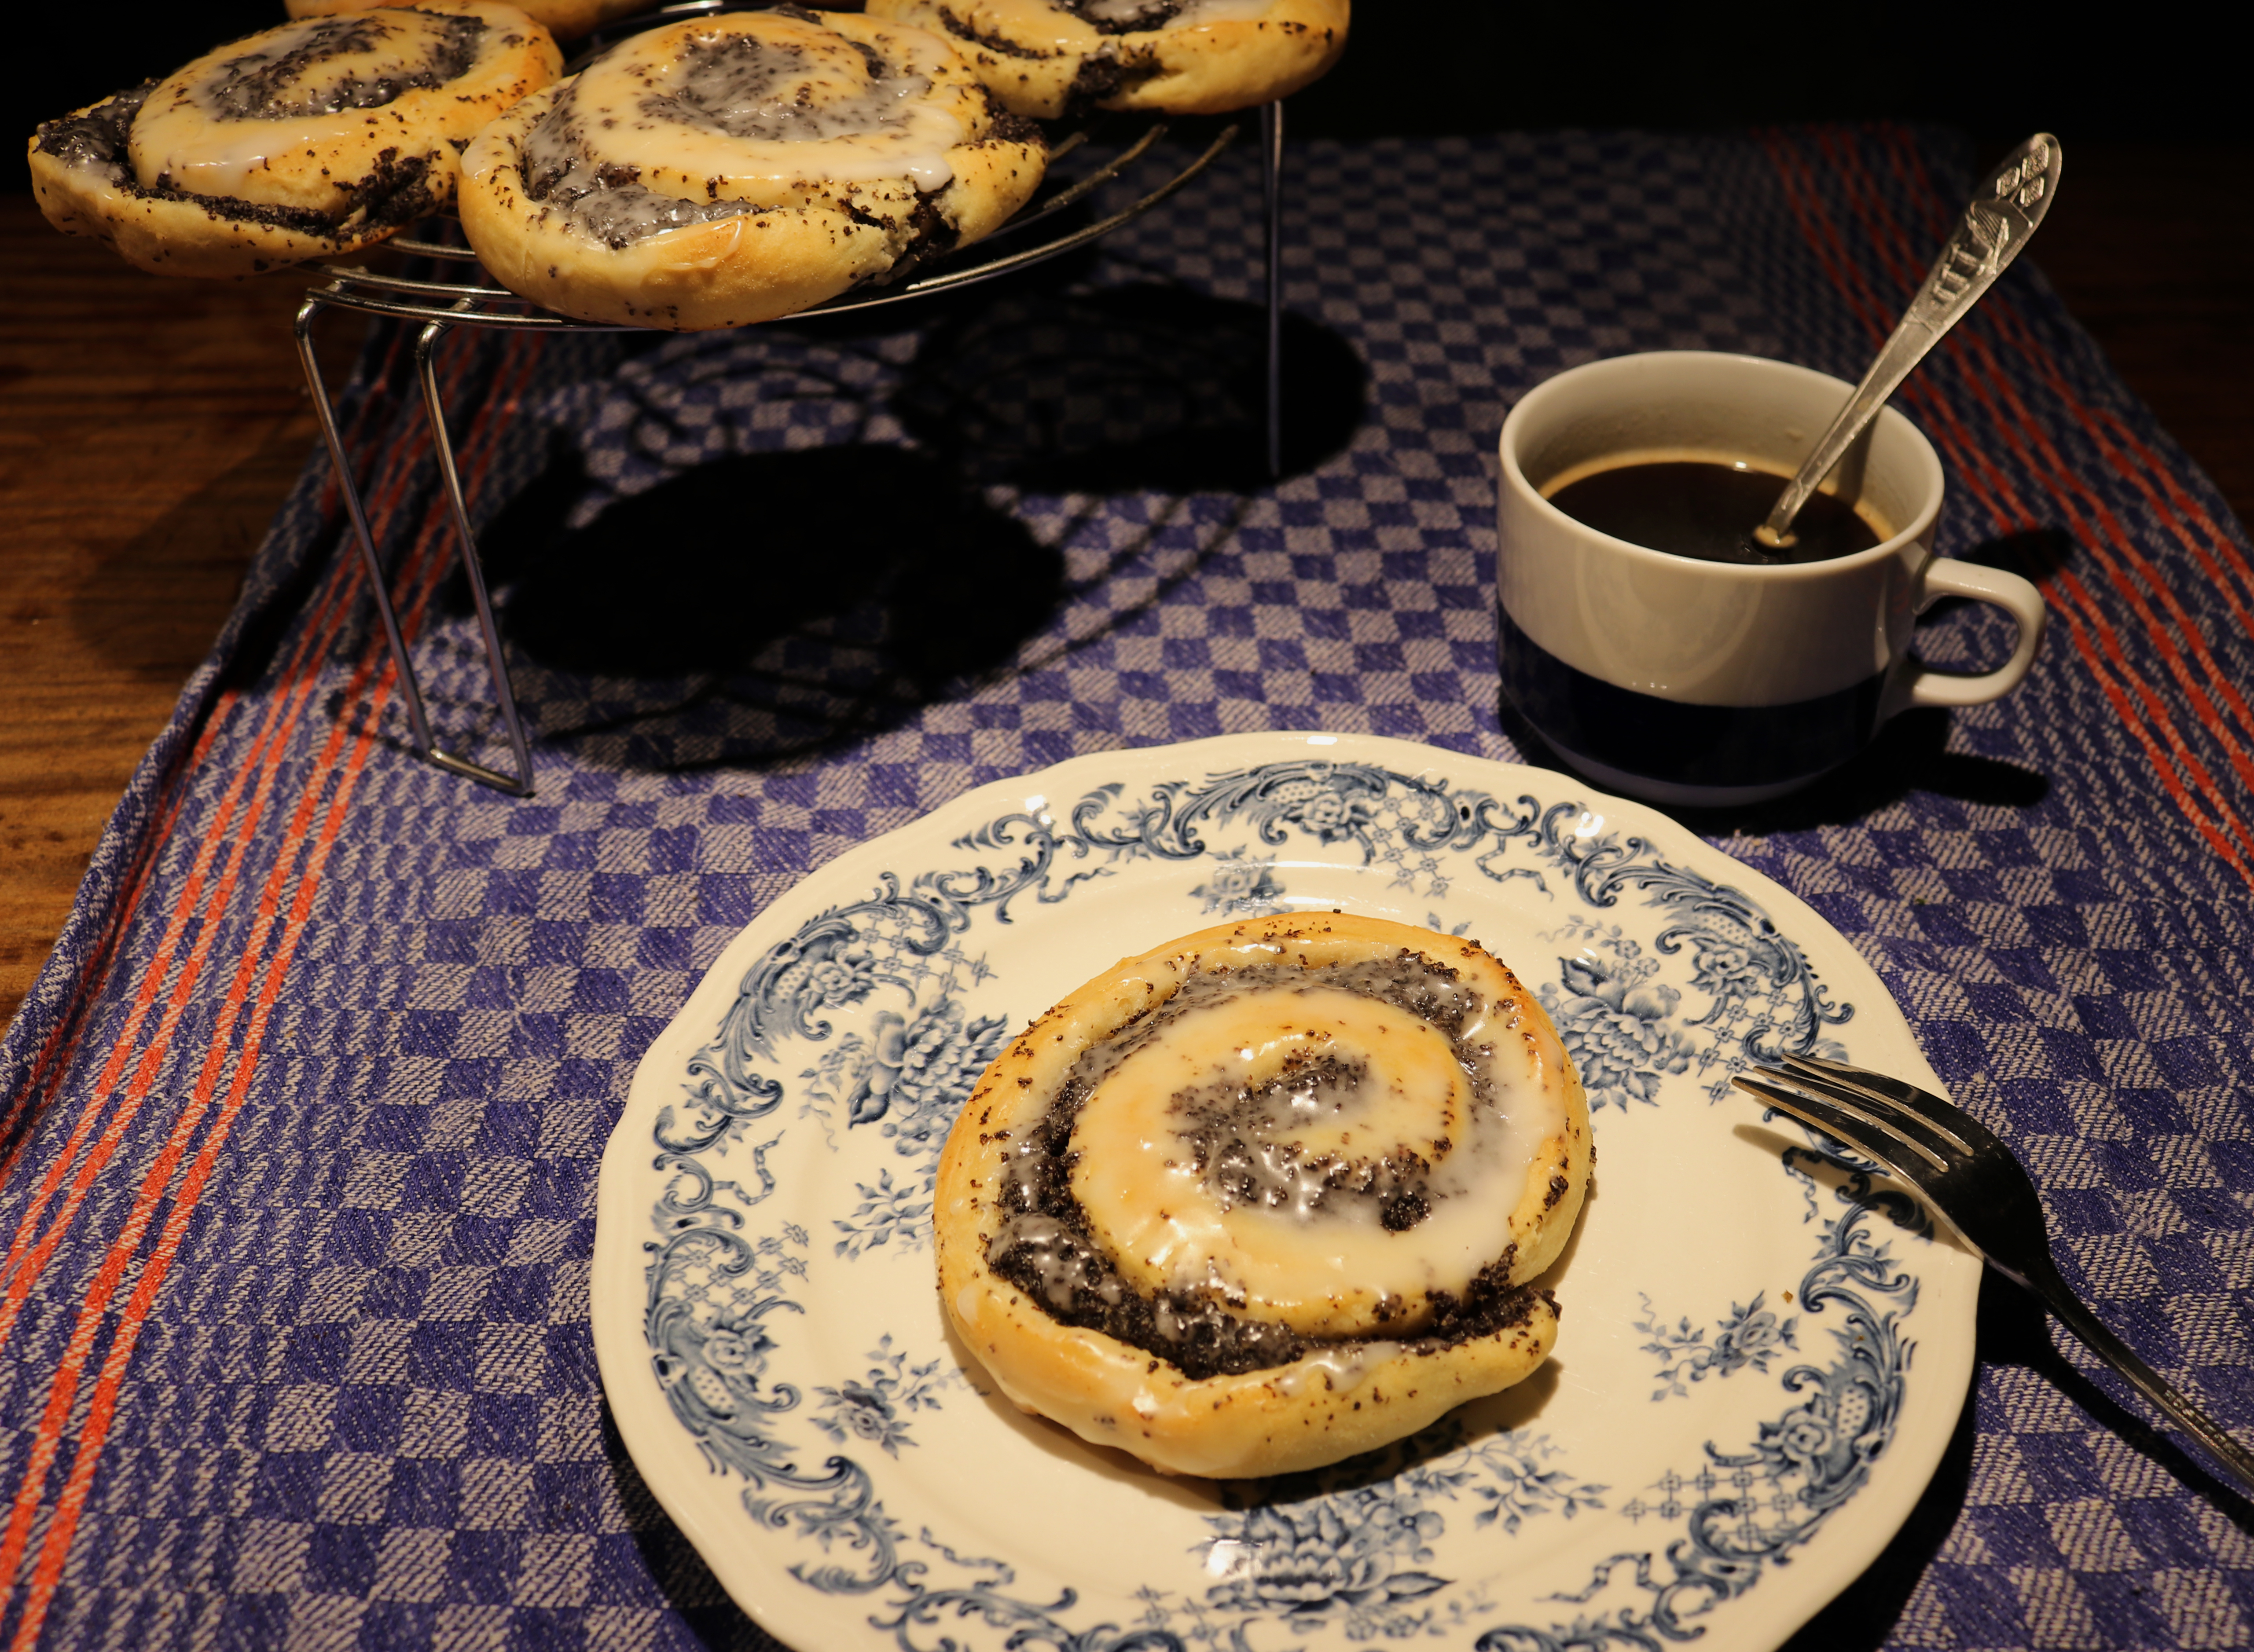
(1732, 1389)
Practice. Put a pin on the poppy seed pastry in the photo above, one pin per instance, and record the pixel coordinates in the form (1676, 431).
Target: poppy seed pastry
(1267, 1196)
(565, 19)
(739, 167)
(1048, 58)
(310, 140)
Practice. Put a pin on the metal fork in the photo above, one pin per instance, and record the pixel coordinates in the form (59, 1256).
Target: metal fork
(1971, 1178)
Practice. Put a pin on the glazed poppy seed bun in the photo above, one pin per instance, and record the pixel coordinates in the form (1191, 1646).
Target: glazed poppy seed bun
(1050, 58)
(565, 19)
(310, 140)
(1268, 1196)
(736, 168)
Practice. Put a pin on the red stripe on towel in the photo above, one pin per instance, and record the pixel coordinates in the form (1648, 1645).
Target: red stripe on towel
(46, 1443)
(2193, 664)
(1989, 482)
(202, 902)
(2220, 557)
(43, 1078)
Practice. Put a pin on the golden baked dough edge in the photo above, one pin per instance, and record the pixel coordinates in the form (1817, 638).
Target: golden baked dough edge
(170, 236)
(1213, 68)
(733, 271)
(1319, 1409)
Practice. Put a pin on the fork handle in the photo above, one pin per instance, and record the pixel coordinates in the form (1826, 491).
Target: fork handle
(2238, 1462)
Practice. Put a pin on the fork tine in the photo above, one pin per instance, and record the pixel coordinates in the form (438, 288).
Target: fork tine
(1987, 1198)
(1900, 1157)
(1967, 1133)
(1867, 1102)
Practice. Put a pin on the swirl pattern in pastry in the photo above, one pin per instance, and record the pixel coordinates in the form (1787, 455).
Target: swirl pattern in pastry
(1268, 1196)
(310, 140)
(1048, 58)
(736, 168)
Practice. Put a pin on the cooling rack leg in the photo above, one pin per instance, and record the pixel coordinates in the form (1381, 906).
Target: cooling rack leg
(378, 586)
(1271, 181)
(519, 784)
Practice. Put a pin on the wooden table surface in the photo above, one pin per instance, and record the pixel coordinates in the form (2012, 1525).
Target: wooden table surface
(149, 428)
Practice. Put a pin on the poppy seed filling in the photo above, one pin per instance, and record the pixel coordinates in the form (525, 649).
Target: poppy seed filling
(396, 191)
(1123, 16)
(739, 86)
(1046, 1248)
(96, 137)
(606, 202)
(259, 87)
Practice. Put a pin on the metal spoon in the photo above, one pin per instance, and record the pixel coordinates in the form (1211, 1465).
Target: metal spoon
(2006, 209)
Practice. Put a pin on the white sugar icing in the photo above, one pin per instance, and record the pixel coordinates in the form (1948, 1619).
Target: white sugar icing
(743, 116)
(294, 86)
(1340, 1371)
(1345, 1080)
(1313, 1080)
(1193, 14)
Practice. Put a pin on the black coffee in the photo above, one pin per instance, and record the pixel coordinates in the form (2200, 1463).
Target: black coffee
(1691, 508)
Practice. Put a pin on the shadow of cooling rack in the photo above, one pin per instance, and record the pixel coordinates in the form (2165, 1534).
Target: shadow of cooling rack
(1083, 160)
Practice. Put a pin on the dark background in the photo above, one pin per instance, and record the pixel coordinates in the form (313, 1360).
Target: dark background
(1421, 66)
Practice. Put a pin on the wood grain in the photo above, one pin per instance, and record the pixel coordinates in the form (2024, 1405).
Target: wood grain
(2151, 245)
(148, 429)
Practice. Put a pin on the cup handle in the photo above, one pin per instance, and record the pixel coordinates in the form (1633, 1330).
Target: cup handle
(1947, 577)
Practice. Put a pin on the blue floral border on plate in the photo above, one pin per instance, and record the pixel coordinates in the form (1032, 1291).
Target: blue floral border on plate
(1351, 1544)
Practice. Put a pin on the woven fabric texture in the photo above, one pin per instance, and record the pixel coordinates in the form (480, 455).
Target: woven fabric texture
(298, 1158)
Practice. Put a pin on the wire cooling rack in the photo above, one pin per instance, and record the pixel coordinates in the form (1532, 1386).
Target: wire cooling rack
(1082, 160)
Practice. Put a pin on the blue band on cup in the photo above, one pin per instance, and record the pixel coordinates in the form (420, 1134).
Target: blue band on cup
(1695, 746)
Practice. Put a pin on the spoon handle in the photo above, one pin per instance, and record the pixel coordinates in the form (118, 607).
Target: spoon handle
(2005, 210)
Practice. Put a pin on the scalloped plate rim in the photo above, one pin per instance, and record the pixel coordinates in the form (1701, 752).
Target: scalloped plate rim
(1846, 1544)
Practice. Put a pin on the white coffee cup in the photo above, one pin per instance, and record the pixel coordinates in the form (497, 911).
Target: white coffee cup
(1699, 682)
